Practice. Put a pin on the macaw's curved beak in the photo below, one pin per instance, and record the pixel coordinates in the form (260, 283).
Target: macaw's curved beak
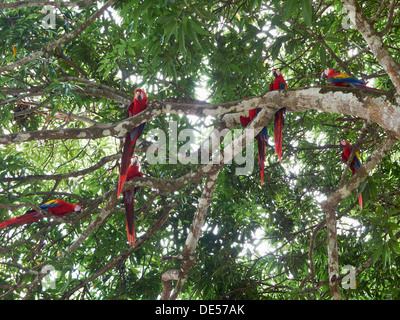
(78, 209)
(139, 95)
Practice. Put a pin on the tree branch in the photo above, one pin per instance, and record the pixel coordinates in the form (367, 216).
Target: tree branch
(188, 253)
(376, 107)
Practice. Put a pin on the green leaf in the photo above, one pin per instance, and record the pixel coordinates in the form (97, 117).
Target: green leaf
(198, 28)
(322, 56)
(364, 191)
(66, 88)
(373, 189)
(251, 4)
(276, 48)
(307, 11)
(288, 9)
(394, 245)
(192, 35)
(182, 46)
(53, 112)
(169, 28)
(166, 18)
(377, 253)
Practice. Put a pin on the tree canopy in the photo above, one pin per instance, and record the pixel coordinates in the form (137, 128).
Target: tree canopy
(68, 72)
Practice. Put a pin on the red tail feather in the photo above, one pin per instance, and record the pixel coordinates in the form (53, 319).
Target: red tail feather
(130, 215)
(129, 148)
(261, 155)
(278, 126)
(360, 201)
(29, 217)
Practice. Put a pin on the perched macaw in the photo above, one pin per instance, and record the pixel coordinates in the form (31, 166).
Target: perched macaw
(344, 80)
(138, 104)
(262, 139)
(129, 198)
(279, 83)
(355, 164)
(57, 207)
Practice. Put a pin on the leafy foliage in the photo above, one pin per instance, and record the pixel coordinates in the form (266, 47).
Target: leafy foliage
(256, 240)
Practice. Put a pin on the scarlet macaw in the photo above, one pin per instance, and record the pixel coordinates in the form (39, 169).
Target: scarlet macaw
(262, 139)
(344, 80)
(279, 83)
(58, 207)
(355, 164)
(138, 104)
(129, 198)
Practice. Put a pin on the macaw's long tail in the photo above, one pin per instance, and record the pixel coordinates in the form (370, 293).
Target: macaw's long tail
(278, 126)
(129, 199)
(129, 148)
(360, 201)
(262, 138)
(29, 217)
(355, 85)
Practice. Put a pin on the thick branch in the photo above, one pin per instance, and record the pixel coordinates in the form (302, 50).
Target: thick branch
(376, 107)
(44, 177)
(333, 255)
(188, 254)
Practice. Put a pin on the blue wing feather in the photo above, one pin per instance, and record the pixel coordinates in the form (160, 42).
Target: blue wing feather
(137, 131)
(49, 204)
(346, 80)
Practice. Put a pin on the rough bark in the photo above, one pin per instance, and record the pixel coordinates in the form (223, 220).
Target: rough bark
(188, 253)
(377, 107)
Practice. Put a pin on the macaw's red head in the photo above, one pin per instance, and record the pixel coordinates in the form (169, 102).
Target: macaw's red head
(77, 208)
(276, 73)
(343, 142)
(140, 95)
(326, 72)
(135, 161)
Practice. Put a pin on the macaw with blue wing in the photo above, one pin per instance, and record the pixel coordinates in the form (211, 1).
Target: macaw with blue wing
(261, 137)
(138, 104)
(344, 80)
(355, 164)
(58, 207)
(279, 83)
(129, 198)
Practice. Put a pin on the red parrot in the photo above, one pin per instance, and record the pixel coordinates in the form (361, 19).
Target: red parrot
(57, 207)
(279, 83)
(355, 164)
(138, 104)
(129, 198)
(262, 139)
(344, 80)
